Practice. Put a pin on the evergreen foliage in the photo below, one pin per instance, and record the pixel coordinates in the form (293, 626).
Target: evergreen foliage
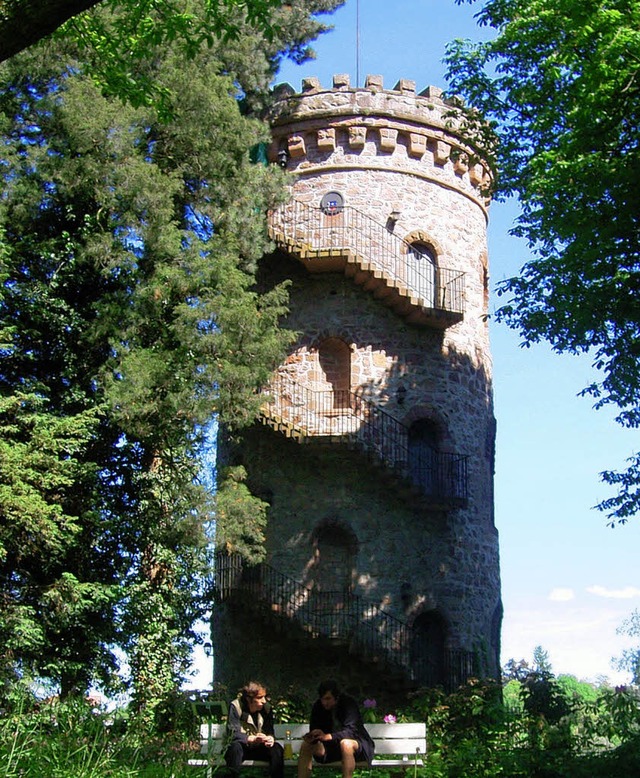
(128, 319)
(241, 517)
(559, 92)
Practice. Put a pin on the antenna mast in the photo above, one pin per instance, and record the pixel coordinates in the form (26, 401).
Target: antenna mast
(357, 43)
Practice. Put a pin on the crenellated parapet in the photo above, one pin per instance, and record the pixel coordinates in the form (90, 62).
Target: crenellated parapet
(374, 128)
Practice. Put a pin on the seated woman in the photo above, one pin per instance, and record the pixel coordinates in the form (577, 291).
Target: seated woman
(250, 727)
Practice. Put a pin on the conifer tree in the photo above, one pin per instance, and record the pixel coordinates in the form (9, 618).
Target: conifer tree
(129, 318)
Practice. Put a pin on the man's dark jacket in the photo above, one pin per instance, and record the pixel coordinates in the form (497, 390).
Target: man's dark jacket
(344, 721)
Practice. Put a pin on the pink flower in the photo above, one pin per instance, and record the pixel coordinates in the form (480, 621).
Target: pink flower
(390, 719)
(370, 703)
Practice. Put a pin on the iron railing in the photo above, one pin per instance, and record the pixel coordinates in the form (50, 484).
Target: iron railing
(351, 418)
(311, 231)
(340, 616)
(451, 668)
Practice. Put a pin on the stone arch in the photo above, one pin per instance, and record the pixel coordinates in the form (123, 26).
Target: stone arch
(429, 635)
(420, 236)
(423, 411)
(334, 358)
(422, 266)
(335, 547)
(331, 332)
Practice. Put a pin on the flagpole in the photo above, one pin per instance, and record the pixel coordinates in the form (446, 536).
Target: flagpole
(357, 43)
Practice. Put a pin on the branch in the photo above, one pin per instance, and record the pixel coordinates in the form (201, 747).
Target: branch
(25, 22)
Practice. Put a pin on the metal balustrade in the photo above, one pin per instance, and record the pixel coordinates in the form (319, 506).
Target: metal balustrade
(350, 418)
(342, 617)
(338, 616)
(314, 235)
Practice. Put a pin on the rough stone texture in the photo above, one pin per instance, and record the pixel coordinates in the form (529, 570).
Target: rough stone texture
(386, 151)
(382, 114)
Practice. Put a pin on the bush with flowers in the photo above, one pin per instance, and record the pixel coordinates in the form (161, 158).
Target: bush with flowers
(371, 716)
(471, 733)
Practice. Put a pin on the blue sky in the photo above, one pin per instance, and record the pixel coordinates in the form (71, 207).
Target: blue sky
(568, 580)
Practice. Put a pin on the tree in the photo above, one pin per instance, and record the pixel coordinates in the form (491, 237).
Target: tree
(41, 463)
(542, 695)
(516, 670)
(240, 517)
(116, 38)
(559, 89)
(25, 22)
(629, 661)
(541, 661)
(578, 691)
(128, 318)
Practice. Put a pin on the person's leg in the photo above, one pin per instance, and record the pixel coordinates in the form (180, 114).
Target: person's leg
(348, 750)
(304, 759)
(234, 756)
(276, 760)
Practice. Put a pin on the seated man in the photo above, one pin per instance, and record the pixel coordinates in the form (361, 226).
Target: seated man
(336, 733)
(250, 727)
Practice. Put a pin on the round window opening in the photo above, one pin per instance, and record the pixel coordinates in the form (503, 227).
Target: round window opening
(332, 203)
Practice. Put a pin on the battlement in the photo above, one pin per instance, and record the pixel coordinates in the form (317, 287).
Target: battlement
(402, 101)
(418, 133)
(373, 83)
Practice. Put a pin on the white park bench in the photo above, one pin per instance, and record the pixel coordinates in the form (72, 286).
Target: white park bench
(398, 746)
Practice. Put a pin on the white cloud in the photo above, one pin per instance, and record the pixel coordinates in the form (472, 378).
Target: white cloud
(617, 594)
(560, 594)
(580, 639)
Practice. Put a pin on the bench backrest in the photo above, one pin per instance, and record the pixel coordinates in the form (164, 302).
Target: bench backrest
(398, 739)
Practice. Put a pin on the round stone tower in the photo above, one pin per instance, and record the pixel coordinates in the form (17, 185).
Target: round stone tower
(375, 449)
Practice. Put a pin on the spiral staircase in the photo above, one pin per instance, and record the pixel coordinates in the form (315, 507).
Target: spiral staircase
(346, 240)
(337, 620)
(348, 419)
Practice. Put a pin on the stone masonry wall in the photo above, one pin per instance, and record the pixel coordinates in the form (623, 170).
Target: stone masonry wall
(451, 560)
(389, 152)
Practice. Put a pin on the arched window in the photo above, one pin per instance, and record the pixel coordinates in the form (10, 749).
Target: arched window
(335, 362)
(421, 272)
(427, 649)
(334, 558)
(423, 443)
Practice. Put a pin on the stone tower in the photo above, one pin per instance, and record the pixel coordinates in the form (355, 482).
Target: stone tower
(375, 449)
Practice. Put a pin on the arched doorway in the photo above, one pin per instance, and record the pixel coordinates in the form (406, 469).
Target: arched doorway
(334, 552)
(331, 578)
(427, 649)
(421, 272)
(423, 444)
(334, 356)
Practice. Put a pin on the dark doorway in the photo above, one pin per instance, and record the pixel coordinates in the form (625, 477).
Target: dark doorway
(427, 649)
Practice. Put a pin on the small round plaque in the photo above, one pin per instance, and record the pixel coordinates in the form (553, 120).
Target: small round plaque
(332, 203)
